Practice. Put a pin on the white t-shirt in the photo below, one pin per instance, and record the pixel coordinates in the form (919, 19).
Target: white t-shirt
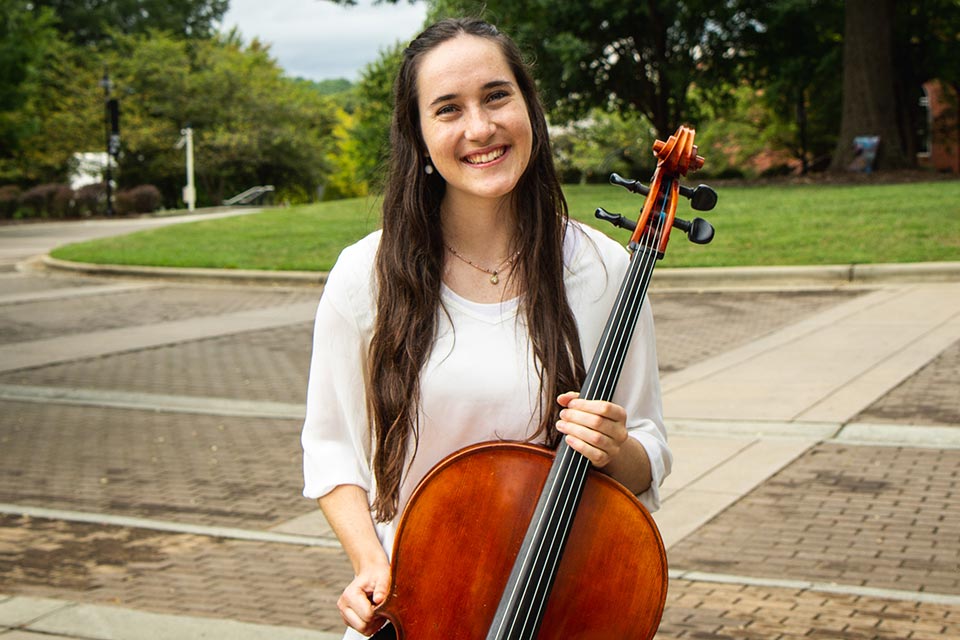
(479, 382)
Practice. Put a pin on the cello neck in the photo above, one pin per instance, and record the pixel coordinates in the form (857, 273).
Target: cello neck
(520, 611)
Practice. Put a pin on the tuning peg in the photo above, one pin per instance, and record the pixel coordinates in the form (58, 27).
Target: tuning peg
(698, 230)
(630, 185)
(615, 219)
(702, 198)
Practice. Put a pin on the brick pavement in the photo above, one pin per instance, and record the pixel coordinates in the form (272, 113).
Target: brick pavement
(269, 365)
(709, 611)
(239, 472)
(272, 364)
(245, 473)
(297, 586)
(866, 516)
(19, 283)
(931, 396)
(66, 316)
(693, 326)
(185, 574)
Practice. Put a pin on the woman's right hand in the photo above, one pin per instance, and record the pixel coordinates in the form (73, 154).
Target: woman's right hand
(358, 601)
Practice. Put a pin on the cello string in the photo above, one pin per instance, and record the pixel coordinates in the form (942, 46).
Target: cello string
(565, 514)
(574, 465)
(625, 335)
(548, 519)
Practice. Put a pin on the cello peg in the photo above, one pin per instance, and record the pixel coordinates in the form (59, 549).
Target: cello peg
(702, 198)
(615, 219)
(630, 185)
(698, 230)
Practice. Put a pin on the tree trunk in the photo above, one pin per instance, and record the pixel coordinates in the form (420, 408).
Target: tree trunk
(869, 96)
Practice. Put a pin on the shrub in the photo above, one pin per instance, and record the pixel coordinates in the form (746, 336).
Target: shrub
(90, 200)
(36, 201)
(144, 198)
(9, 200)
(61, 203)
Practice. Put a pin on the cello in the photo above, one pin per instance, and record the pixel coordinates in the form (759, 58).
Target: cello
(479, 549)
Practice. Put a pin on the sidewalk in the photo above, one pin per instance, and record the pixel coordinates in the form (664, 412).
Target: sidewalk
(169, 416)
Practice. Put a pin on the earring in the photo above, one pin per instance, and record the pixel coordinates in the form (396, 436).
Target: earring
(428, 168)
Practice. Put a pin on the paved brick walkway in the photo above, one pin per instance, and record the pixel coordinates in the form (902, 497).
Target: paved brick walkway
(693, 326)
(269, 365)
(708, 611)
(861, 516)
(864, 516)
(185, 574)
(66, 316)
(297, 586)
(931, 396)
(240, 472)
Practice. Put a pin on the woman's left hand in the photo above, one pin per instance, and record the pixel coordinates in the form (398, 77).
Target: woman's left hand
(595, 428)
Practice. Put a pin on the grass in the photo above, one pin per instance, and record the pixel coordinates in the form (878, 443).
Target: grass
(763, 225)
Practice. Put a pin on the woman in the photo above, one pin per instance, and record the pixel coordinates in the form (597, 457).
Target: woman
(468, 317)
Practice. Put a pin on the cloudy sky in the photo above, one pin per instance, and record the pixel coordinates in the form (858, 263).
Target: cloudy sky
(318, 39)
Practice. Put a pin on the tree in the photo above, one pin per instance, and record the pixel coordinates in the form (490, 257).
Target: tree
(623, 56)
(25, 37)
(88, 22)
(870, 105)
(794, 60)
(251, 124)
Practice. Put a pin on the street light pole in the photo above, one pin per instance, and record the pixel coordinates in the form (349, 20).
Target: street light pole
(106, 84)
(189, 191)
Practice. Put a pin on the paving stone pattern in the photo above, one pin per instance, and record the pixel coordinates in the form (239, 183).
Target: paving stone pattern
(269, 365)
(272, 365)
(708, 611)
(68, 316)
(209, 470)
(297, 586)
(869, 516)
(694, 326)
(183, 574)
(931, 396)
(865, 516)
(18, 283)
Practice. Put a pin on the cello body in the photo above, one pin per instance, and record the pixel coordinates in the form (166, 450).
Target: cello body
(463, 527)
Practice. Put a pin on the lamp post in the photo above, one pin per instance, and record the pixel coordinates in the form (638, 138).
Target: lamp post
(112, 127)
(106, 84)
(189, 191)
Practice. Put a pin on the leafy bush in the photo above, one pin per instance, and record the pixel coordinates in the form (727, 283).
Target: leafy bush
(36, 202)
(90, 200)
(61, 203)
(144, 198)
(9, 201)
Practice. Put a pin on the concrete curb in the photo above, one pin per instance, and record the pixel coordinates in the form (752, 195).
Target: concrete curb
(45, 617)
(677, 278)
(186, 274)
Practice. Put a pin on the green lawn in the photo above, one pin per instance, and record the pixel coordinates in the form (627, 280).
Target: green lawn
(764, 225)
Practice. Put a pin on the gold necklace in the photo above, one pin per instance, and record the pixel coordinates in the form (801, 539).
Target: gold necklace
(494, 273)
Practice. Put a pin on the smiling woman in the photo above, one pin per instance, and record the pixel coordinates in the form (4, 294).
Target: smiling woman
(468, 317)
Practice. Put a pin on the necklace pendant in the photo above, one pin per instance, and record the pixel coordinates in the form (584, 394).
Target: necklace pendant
(494, 279)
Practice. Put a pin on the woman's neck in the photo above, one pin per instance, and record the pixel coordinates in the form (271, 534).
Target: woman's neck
(478, 227)
(480, 253)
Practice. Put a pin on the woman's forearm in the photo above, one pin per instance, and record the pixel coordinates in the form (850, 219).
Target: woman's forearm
(348, 512)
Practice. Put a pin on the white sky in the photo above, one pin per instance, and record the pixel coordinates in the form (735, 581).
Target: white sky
(318, 39)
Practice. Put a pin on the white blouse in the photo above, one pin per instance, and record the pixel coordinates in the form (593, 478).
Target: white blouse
(479, 383)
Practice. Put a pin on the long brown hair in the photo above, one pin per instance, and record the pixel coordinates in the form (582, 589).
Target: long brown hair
(410, 259)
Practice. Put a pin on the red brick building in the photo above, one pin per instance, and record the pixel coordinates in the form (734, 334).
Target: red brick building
(940, 144)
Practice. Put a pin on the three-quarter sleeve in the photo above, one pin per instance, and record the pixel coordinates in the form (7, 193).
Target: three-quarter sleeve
(639, 394)
(336, 434)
